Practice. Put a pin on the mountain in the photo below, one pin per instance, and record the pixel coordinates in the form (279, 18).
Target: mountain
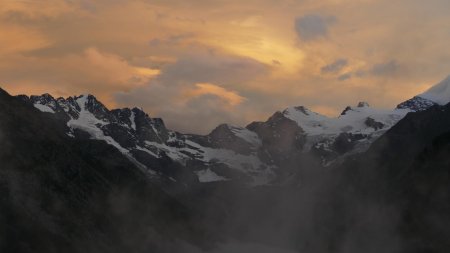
(395, 197)
(439, 94)
(64, 194)
(351, 132)
(182, 159)
(251, 155)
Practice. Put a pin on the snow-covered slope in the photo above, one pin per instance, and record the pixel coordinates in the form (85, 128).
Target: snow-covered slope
(361, 119)
(439, 93)
(352, 131)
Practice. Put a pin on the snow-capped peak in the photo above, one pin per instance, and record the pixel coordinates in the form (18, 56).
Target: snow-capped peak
(82, 100)
(439, 93)
(87, 100)
(352, 119)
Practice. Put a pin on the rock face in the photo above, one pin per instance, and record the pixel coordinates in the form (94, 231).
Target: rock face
(416, 104)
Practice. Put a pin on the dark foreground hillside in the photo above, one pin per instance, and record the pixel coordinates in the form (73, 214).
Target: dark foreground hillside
(59, 194)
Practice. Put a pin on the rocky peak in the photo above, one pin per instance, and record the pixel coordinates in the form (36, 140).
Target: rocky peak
(370, 122)
(222, 128)
(149, 129)
(302, 109)
(224, 136)
(439, 94)
(363, 104)
(279, 134)
(125, 116)
(91, 104)
(44, 99)
(416, 104)
(359, 105)
(348, 108)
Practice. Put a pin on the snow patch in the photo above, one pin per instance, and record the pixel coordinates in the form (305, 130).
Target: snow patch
(147, 151)
(89, 123)
(246, 135)
(44, 108)
(248, 164)
(206, 176)
(132, 118)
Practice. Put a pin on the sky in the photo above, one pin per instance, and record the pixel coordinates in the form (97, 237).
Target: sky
(200, 63)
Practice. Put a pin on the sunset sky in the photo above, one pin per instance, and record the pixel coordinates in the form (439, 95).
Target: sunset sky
(199, 63)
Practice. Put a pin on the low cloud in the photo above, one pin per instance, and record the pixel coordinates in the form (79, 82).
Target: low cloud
(312, 26)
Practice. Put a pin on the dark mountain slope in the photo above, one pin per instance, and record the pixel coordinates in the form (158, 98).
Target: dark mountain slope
(59, 194)
(392, 198)
(396, 196)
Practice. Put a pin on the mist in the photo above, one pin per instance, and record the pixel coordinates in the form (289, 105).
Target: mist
(380, 200)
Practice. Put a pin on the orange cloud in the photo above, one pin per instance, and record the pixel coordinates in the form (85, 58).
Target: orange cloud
(231, 97)
(17, 39)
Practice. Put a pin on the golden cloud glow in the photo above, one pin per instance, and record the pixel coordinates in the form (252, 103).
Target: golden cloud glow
(231, 97)
(17, 39)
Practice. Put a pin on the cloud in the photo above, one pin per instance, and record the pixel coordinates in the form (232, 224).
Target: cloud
(201, 87)
(90, 70)
(171, 40)
(210, 66)
(386, 68)
(312, 26)
(345, 76)
(335, 66)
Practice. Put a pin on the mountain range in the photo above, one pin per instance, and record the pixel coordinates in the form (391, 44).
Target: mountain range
(76, 176)
(253, 154)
